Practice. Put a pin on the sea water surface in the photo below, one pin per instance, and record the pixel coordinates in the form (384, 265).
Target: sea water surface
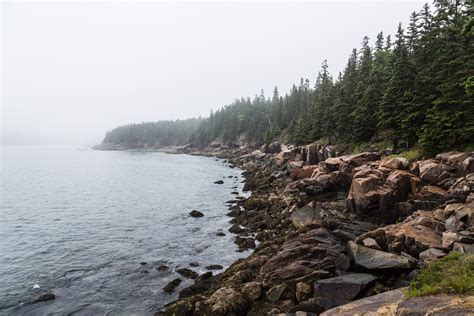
(93, 226)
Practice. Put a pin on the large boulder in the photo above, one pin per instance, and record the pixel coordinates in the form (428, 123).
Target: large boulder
(394, 303)
(224, 301)
(304, 172)
(372, 259)
(342, 289)
(305, 258)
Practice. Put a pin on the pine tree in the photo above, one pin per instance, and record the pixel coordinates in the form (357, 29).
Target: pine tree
(363, 116)
(399, 90)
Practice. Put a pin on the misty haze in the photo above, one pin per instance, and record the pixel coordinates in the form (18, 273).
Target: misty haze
(237, 157)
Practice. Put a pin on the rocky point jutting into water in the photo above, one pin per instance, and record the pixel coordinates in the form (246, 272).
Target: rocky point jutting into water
(330, 230)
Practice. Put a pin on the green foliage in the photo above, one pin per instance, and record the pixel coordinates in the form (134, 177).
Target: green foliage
(416, 90)
(410, 155)
(163, 133)
(451, 274)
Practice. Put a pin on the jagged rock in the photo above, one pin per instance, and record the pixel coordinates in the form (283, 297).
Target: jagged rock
(343, 263)
(226, 301)
(306, 216)
(219, 182)
(431, 192)
(340, 290)
(245, 243)
(195, 213)
(301, 173)
(378, 260)
(453, 157)
(395, 163)
(394, 303)
(468, 165)
(307, 308)
(432, 254)
(449, 238)
(463, 248)
(284, 157)
(252, 290)
(431, 171)
(463, 186)
(371, 243)
(305, 258)
(303, 291)
(275, 292)
(45, 297)
(172, 285)
(214, 267)
(333, 164)
(453, 224)
(274, 148)
(236, 229)
(188, 273)
(292, 165)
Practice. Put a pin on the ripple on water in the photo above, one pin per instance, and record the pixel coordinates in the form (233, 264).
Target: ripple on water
(78, 223)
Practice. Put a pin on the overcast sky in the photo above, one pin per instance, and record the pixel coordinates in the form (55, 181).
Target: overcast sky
(73, 70)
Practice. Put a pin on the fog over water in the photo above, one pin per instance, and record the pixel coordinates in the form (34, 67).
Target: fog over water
(72, 70)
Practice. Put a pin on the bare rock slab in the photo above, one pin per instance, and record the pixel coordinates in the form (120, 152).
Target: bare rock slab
(342, 289)
(373, 259)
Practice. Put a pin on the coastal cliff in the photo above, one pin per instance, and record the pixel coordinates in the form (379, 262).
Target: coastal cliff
(329, 230)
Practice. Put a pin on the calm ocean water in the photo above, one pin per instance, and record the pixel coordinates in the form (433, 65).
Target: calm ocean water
(79, 222)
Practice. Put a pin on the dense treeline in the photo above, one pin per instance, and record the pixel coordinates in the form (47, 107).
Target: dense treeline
(162, 133)
(415, 90)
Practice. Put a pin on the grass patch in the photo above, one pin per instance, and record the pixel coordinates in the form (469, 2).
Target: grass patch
(451, 274)
(410, 155)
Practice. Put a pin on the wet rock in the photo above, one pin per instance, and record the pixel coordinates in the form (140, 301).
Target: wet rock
(340, 290)
(195, 213)
(171, 286)
(219, 182)
(187, 273)
(275, 293)
(252, 290)
(214, 267)
(45, 297)
(143, 263)
(220, 234)
(162, 268)
(236, 229)
(378, 260)
(303, 291)
(194, 264)
(245, 243)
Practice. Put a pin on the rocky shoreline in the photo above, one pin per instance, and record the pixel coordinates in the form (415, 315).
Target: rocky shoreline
(327, 231)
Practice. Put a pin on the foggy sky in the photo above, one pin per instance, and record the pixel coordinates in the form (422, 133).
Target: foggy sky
(73, 70)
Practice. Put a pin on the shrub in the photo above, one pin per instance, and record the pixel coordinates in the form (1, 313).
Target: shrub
(451, 274)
